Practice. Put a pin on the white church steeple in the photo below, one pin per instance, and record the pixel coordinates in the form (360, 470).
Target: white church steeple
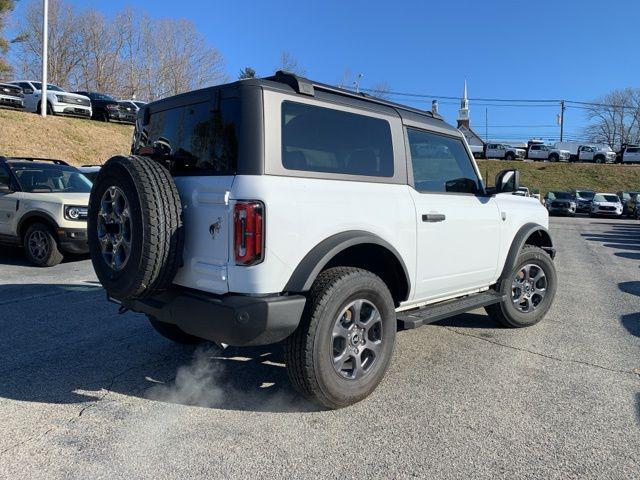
(463, 113)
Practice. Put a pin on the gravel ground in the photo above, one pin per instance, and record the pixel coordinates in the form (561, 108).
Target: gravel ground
(85, 392)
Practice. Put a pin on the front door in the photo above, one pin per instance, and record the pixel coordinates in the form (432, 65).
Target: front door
(586, 154)
(534, 152)
(458, 229)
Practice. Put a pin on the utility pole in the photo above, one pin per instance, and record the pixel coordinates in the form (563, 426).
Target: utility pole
(486, 124)
(45, 46)
(561, 119)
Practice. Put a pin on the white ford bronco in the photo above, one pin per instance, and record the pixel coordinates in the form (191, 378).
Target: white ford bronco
(284, 210)
(43, 207)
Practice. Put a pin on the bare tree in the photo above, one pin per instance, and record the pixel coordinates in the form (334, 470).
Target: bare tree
(64, 42)
(289, 63)
(100, 62)
(380, 90)
(126, 55)
(615, 118)
(183, 61)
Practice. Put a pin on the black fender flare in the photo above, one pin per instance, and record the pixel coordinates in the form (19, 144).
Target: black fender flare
(46, 217)
(520, 239)
(317, 258)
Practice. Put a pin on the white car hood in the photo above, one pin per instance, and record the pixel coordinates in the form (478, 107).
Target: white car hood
(68, 94)
(61, 198)
(607, 204)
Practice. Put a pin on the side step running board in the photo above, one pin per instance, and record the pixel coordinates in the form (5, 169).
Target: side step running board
(449, 308)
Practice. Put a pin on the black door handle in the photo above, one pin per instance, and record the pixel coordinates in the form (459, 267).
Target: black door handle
(433, 217)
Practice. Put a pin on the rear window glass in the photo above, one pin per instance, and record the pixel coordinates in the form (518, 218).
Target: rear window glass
(194, 139)
(317, 139)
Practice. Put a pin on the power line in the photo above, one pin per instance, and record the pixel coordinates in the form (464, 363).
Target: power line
(547, 102)
(444, 97)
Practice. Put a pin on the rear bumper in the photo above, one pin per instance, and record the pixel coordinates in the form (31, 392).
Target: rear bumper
(73, 240)
(236, 320)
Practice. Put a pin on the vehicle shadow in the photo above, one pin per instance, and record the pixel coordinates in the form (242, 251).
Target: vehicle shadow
(68, 345)
(14, 256)
(620, 237)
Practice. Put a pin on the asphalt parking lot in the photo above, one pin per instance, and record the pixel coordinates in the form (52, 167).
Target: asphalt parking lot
(85, 392)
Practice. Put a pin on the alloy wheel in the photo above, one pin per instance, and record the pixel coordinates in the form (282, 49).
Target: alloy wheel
(529, 288)
(356, 339)
(114, 228)
(38, 245)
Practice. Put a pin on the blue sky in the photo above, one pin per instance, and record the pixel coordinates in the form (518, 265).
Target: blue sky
(568, 49)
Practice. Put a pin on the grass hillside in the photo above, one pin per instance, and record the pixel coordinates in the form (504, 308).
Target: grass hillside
(564, 176)
(77, 141)
(80, 141)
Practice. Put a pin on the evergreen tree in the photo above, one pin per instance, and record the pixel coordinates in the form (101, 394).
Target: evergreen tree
(6, 6)
(246, 72)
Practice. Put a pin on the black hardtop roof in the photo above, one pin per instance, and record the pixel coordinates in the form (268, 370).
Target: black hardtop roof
(33, 160)
(292, 84)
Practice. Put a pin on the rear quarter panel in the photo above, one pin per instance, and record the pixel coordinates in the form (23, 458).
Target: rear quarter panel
(301, 212)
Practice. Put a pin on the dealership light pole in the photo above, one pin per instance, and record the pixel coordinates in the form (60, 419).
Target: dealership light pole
(45, 41)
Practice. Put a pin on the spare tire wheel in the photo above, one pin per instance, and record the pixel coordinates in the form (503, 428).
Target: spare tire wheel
(135, 229)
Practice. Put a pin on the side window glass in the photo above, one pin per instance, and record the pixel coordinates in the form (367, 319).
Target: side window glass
(318, 139)
(5, 179)
(441, 164)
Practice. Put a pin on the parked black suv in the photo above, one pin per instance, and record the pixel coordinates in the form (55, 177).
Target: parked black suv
(106, 108)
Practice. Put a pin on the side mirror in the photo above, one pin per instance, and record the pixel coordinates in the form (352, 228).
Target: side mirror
(507, 181)
(4, 188)
(27, 91)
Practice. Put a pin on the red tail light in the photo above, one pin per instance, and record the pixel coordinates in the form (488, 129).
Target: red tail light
(248, 228)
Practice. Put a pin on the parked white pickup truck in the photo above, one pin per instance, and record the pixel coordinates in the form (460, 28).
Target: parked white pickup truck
(506, 152)
(545, 152)
(596, 153)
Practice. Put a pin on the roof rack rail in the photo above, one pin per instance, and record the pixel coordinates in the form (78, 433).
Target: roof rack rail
(307, 87)
(35, 159)
(299, 84)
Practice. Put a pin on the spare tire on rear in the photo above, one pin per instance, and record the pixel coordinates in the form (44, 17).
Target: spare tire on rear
(135, 229)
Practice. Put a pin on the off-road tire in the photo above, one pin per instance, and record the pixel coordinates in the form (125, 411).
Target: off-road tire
(52, 256)
(510, 156)
(554, 158)
(173, 332)
(308, 351)
(505, 312)
(157, 234)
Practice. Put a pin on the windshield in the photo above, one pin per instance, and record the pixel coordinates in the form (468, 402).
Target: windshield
(606, 198)
(586, 194)
(53, 88)
(39, 178)
(102, 96)
(560, 195)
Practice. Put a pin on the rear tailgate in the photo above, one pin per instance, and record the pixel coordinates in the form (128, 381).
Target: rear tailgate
(208, 231)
